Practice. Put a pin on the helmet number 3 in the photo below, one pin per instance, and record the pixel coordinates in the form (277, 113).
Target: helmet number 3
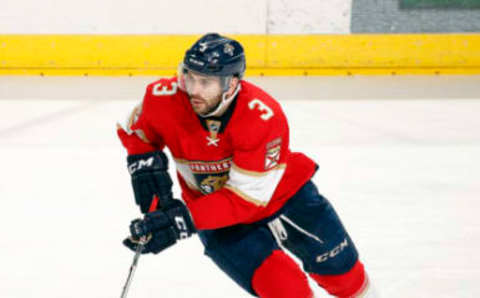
(267, 111)
(161, 90)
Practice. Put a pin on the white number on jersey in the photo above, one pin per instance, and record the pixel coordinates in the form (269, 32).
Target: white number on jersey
(256, 103)
(160, 90)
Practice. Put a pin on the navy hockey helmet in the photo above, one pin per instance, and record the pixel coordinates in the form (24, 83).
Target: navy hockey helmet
(216, 55)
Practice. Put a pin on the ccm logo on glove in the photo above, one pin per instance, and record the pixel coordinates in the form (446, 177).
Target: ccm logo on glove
(182, 227)
(138, 165)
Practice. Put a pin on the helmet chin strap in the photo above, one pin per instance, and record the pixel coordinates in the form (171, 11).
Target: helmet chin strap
(223, 104)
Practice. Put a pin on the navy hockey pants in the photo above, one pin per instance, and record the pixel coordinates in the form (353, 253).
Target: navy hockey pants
(307, 226)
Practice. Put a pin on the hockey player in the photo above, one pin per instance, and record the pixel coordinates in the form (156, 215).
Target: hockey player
(246, 194)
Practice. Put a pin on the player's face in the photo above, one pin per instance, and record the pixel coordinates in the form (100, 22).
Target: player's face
(205, 92)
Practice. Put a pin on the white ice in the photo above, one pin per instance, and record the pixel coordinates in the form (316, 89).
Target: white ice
(399, 159)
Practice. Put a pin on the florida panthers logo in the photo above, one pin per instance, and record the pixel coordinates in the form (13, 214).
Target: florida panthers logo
(205, 176)
(213, 183)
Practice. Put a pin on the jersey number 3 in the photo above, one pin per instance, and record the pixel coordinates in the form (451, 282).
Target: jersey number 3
(267, 112)
(160, 89)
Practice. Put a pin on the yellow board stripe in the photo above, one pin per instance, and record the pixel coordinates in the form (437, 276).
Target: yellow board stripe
(266, 54)
(370, 51)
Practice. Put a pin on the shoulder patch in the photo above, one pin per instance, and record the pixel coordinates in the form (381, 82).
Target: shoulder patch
(272, 155)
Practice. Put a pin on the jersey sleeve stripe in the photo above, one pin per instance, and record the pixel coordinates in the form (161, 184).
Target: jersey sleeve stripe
(257, 189)
(255, 173)
(186, 173)
(244, 196)
(130, 121)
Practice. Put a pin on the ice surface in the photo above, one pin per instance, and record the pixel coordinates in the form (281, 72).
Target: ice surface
(402, 172)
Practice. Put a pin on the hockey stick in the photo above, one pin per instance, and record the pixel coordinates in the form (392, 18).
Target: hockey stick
(138, 253)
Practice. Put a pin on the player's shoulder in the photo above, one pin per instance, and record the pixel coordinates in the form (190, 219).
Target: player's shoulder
(162, 95)
(256, 106)
(251, 94)
(163, 88)
(257, 115)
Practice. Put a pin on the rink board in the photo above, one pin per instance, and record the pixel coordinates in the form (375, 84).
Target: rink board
(266, 54)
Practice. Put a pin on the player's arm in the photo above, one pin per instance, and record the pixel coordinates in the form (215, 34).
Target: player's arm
(259, 162)
(147, 164)
(136, 132)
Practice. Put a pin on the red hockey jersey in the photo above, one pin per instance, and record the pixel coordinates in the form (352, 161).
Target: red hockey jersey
(232, 169)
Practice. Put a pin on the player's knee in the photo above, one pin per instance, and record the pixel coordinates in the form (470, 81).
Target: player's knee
(280, 277)
(350, 284)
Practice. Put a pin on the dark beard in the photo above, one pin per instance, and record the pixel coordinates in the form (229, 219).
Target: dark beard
(213, 108)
